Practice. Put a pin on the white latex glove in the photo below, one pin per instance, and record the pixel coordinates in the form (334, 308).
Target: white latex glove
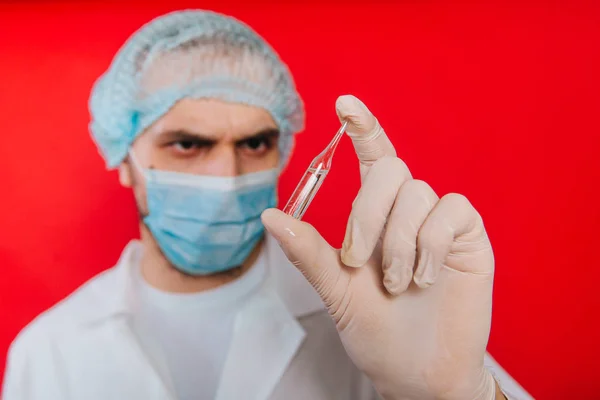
(411, 289)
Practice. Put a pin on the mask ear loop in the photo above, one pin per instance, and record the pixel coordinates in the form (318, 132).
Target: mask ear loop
(136, 164)
(145, 175)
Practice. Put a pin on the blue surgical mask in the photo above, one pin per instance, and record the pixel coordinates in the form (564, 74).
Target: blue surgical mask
(207, 224)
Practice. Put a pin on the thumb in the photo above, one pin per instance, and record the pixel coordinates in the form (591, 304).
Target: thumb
(305, 248)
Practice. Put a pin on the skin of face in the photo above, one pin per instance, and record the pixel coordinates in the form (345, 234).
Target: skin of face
(205, 137)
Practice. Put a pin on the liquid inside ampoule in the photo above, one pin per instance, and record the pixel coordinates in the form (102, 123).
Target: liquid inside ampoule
(305, 191)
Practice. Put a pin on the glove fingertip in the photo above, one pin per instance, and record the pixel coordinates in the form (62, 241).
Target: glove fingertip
(349, 260)
(397, 278)
(268, 218)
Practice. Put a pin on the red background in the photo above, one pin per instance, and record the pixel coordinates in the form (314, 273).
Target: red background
(499, 101)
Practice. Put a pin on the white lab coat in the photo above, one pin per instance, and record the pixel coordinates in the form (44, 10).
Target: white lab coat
(284, 346)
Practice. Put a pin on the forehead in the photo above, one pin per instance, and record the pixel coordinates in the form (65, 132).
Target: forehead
(213, 119)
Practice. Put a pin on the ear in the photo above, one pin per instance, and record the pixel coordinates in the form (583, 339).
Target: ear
(125, 174)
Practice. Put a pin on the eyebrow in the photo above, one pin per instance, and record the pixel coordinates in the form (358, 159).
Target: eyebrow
(181, 135)
(268, 133)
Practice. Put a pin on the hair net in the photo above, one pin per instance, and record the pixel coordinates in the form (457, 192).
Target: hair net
(197, 54)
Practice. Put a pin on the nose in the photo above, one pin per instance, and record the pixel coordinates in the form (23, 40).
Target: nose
(222, 161)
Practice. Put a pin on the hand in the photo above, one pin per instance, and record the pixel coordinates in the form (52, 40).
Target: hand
(411, 289)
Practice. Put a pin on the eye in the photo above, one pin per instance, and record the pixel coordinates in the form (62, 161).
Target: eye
(187, 147)
(257, 146)
(256, 143)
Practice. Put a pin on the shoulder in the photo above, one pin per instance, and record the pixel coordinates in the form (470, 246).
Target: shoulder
(100, 296)
(35, 357)
(64, 318)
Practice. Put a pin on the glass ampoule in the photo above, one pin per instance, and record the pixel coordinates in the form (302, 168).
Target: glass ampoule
(313, 178)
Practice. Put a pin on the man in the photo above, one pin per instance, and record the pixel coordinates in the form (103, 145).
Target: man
(198, 112)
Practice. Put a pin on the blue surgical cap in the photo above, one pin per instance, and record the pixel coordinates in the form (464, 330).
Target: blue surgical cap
(196, 54)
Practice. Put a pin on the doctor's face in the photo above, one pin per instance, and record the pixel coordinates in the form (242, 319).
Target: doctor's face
(204, 137)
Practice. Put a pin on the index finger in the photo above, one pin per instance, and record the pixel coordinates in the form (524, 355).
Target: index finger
(369, 140)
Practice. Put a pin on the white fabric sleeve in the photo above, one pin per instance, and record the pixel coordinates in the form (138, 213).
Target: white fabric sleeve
(510, 387)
